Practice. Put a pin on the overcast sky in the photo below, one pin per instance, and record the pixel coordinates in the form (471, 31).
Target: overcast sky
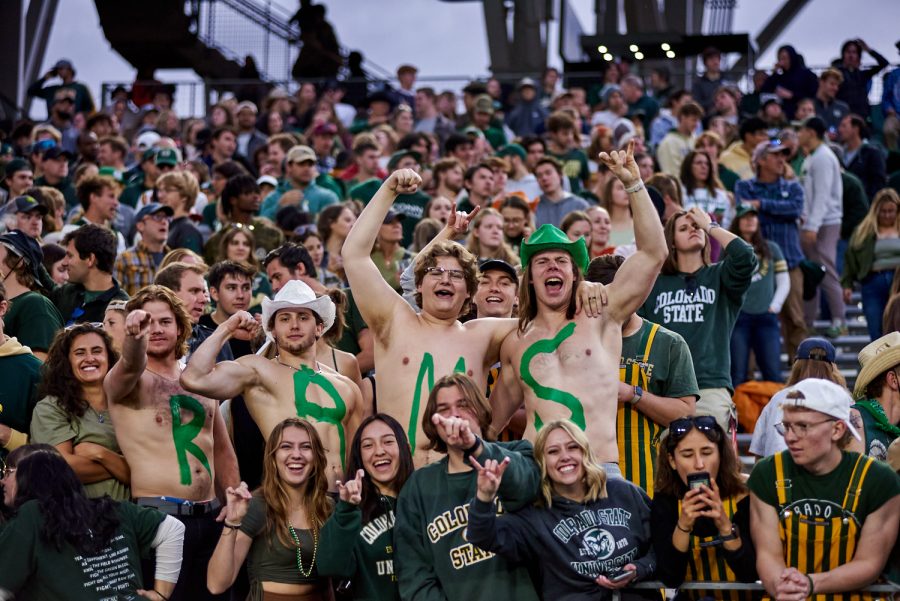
(448, 38)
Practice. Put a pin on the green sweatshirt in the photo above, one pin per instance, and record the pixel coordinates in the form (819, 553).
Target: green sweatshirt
(370, 564)
(703, 307)
(435, 561)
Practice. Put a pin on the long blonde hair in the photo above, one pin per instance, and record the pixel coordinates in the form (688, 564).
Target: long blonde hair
(473, 245)
(594, 474)
(316, 504)
(868, 227)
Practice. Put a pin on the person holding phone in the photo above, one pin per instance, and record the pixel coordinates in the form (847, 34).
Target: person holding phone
(587, 534)
(701, 511)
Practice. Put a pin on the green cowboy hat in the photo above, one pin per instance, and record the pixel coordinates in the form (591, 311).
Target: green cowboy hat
(548, 237)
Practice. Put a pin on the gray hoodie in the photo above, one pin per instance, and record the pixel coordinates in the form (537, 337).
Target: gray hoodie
(824, 194)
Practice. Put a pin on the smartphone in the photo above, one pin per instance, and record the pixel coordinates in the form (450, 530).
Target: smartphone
(622, 576)
(697, 480)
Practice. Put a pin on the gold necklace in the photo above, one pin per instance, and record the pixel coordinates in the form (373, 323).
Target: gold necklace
(296, 539)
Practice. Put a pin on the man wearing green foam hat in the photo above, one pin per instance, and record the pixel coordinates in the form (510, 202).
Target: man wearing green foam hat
(414, 350)
(558, 362)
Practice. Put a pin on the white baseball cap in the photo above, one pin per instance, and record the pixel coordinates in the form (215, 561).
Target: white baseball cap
(147, 139)
(823, 396)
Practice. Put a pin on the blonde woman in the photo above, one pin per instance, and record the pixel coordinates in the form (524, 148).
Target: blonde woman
(486, 239)
(872, 257)
(576, 559)
(276, 529)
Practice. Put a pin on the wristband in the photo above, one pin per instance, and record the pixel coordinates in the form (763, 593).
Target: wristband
(468, 452)
(733, 535)
(811, 585)
(232, 526)
(635, 187)
(678, 525)
(161, 596)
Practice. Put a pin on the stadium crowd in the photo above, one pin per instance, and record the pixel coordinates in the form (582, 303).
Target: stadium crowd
(398, 343)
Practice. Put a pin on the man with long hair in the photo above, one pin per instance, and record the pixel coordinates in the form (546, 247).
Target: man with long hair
(291, 384)
(413, 350)
(176, 443)
(561, 364)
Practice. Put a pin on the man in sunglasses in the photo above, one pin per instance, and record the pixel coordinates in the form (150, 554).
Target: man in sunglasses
(413, 350)
(559, 362)
(824, 519)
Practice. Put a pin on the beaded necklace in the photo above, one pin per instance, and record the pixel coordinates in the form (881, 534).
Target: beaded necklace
(296, 539)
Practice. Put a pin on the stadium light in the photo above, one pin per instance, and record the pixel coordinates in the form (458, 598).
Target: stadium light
(639, 55)
(634, 48)
(607, 57)
(665, 46)
(602, 49)
(670, 54)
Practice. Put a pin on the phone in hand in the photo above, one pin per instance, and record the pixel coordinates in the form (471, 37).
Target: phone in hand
(698, 479)
(622, 576)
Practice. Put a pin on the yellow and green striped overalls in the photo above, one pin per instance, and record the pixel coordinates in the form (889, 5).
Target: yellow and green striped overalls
(819, 543)
(707, 563)
(636, 435)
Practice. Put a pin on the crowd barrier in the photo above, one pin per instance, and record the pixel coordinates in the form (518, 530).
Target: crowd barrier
(892, 589)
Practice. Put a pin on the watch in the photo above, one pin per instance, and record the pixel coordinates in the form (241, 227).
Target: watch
(468, 452)
(712, 224)
(638, 395)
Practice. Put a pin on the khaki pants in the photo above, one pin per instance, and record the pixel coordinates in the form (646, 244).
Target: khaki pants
(824, 251)
(793, 324)
(717, 403)
(891, 131)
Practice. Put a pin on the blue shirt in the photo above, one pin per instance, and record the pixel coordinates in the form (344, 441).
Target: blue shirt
(781, 204)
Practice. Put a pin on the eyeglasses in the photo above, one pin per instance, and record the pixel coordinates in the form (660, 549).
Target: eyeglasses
(438, 272)
(6, 471)
(160, 217)
(800, 429)
(706, 424)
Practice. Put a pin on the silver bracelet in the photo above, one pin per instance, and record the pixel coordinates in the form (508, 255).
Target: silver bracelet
(635, 187)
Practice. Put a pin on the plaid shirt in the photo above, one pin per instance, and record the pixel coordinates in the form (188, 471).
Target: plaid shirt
(780, 207)
(135, 268)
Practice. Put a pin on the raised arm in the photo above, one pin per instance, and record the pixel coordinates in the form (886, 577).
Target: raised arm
(380, 301)
(126, 373)
(637, 275)
(226, 379)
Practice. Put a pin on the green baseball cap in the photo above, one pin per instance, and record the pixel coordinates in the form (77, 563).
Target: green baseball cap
(400, 154)
(743, 209)
(167, 156)
(512, 149)
(548, 237)
(113, 173)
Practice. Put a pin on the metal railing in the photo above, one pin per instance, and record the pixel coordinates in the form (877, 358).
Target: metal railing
(893, 589)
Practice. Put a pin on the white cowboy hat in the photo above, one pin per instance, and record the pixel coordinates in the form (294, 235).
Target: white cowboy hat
(296, 295)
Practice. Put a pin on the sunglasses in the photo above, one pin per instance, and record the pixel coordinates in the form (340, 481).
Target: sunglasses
(87, 325)
(706, 424)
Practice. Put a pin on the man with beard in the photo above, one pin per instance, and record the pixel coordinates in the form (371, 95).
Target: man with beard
(292, 383)
(176, 444)
(559, 363)
(413, 350)
(240, 202)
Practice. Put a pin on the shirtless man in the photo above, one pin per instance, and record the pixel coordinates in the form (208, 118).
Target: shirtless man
(293, 383)
(176, 444)
(413, 350)
(560, 363)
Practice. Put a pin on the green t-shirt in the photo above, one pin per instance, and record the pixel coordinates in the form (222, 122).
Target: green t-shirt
(364, 191)
(762, 285)
(391, 269)
(33, 319)
(370, 565)
(575, 167)
(51, 425)
(822, 495)
(879, 432)
(703, 307)
(728, 177)
(668, 371)
(36, 570)
(349, 342)
(412, 206)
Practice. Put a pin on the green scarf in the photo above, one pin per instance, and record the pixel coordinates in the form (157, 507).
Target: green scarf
(875, 409)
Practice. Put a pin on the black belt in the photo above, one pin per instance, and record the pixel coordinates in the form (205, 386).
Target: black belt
(180, 507)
